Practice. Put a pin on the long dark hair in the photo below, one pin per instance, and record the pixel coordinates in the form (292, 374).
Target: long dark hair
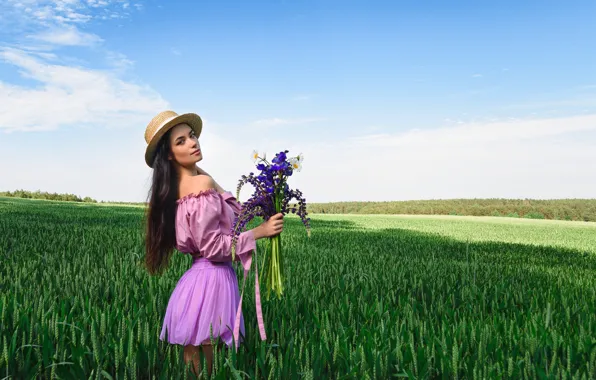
(160, 239)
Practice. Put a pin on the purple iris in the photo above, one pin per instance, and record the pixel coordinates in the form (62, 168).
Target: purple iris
(270, 184)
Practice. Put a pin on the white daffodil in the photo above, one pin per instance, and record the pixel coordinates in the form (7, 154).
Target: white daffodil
(296, 164)
(255, 155)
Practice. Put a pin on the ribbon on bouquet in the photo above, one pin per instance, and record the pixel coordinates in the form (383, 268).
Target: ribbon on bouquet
(257, 301)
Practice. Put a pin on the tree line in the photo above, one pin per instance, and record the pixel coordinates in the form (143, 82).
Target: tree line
(561, 209)
(45, 195)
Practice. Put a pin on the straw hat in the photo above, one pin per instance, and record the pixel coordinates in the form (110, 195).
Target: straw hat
(161, 123)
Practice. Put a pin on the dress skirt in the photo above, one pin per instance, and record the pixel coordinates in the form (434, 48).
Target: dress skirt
(204, 302)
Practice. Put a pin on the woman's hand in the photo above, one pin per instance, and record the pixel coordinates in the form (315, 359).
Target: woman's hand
(273, 226)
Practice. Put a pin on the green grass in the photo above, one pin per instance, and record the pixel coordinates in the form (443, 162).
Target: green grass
(552, 233)
(366, 297)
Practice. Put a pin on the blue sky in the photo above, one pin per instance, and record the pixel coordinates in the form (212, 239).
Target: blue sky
(387, 100)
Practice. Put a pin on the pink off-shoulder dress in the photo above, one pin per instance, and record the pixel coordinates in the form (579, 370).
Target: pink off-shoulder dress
(206, 299)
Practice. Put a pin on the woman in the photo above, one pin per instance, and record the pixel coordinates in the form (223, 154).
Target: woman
(191, 212)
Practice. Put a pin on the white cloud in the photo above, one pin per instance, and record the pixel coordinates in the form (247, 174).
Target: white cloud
(64, 11)
(70, 96)
(477, 76)
(67, 92)
(515, 130)
(68, 36)
(119, 61)
(549, 158)
(58, 22)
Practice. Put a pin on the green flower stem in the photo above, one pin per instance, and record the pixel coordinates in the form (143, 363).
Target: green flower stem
(274, 265)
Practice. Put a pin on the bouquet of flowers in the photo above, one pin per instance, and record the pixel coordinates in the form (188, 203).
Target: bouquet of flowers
(272, 195)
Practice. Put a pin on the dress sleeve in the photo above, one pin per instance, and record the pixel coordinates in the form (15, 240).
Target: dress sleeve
(213, 242)
(233, 202)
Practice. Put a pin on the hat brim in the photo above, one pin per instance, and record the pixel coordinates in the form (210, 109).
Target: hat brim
(192, 119)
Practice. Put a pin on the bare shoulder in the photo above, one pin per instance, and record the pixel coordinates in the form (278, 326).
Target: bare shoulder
(200, 183)
(196, 184)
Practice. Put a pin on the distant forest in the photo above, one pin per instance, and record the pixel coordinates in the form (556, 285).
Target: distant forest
(561, 209)
(45, 195)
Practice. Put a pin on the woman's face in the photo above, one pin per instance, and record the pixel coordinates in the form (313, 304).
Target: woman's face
(184, 145)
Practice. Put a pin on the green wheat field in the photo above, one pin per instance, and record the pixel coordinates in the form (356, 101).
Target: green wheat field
(367, 297)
